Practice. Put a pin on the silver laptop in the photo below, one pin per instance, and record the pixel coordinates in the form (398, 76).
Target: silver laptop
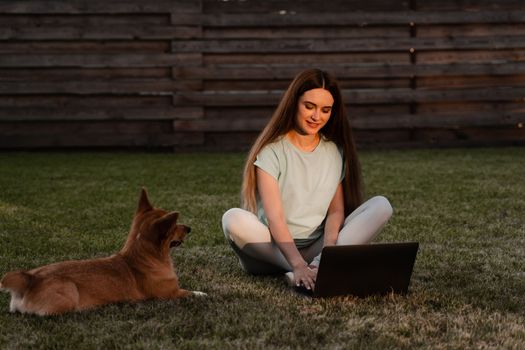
(363, 270)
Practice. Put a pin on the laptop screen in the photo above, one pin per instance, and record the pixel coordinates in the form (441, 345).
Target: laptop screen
(363, 270)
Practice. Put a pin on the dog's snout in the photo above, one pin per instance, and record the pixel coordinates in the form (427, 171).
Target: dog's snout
(188, 229)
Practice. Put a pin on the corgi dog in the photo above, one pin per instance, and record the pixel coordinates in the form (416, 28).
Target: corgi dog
(142, 269)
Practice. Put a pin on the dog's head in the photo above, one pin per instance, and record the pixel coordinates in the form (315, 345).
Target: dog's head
(154, 227)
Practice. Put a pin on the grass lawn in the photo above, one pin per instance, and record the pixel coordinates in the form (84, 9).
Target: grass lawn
(466, 207)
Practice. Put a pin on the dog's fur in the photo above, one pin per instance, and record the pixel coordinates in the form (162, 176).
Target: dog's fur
(141, 270)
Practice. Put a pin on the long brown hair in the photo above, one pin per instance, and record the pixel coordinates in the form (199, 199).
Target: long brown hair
(337, 129)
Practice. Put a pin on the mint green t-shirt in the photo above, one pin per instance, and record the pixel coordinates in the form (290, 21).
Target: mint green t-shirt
(307, 181)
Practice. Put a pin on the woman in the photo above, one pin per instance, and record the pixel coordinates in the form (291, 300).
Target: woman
(302, 186)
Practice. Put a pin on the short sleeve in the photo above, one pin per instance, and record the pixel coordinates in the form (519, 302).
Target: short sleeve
(268, 161)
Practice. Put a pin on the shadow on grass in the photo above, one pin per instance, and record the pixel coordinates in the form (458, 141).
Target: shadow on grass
(470, 276)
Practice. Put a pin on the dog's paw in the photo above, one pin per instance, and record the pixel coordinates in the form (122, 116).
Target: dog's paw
(199, 294)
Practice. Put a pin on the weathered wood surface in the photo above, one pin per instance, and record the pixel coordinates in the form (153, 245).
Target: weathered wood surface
(73, 7)
(207, 74)
(348, 18)
(349, 71)
(349, 45)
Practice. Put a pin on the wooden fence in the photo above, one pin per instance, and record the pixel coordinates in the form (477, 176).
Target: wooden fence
(207, 74)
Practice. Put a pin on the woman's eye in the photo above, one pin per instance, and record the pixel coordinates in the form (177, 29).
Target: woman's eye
(308, 106)
(326, 110)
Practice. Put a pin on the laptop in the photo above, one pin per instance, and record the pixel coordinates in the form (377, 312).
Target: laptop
(363, 270)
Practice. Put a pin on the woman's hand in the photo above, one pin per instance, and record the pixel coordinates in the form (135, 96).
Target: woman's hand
(305, 276)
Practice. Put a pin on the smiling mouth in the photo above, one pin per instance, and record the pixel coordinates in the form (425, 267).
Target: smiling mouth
(312, 124)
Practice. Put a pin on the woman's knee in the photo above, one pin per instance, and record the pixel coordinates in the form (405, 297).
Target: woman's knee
(243, 227)
(229, 216)
(382, 207)
(228, 221)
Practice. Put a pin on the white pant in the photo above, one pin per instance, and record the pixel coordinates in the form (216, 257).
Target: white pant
(259, 254)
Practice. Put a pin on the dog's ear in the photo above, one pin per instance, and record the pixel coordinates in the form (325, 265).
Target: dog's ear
(144, 204)
(167, 221)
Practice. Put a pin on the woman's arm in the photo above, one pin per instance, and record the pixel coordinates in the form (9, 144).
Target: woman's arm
(270, 194)
(335, 217)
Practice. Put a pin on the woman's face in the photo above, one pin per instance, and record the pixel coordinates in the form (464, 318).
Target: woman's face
(313, 111)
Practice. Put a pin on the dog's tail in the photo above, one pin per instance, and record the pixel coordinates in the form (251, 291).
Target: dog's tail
(16, 281)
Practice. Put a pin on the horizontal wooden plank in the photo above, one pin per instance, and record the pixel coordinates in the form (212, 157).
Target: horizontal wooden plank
(217, 125)
(118, 87)
(58, 134)
(85, 7)
(462, 107)
(470, 30)
(406, 121)
(470, 5)
(409, 121)
(77, 113)
(119, 60)
(101, 19)
(227, 98)
(83, 101)
(348, 18)
(317, 6)
(432, 95)
(357, 83)
(87, 47)
(86, 140)
(364, 96)
(228, 113)
(306, 58)
(348, 45)
(86, 127)
(472, 137)
(81, 32)
(495, 68)
(364, 110)
(63, 74)
(304, 32)
(347, 71)
(473, 57)
(515, 80)
(244, 84)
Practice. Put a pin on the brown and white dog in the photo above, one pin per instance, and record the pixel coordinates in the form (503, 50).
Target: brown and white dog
(141, 270)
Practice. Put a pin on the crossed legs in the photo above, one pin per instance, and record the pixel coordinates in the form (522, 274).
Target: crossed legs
(258, 254)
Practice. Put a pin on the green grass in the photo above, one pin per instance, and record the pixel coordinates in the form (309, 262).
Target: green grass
(466, 207)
